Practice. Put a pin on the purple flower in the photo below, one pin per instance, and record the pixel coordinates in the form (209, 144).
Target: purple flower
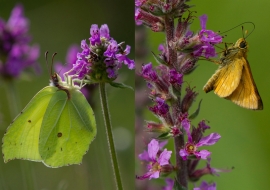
(195, 175)
(104, 31)
(103, 57)
(175, 77)
(95, 35)
(205, 186)
(208, 35)
(207, 50)
(111, 49)
(207, 38)
(122, 57)
(145, 156)
(215, 171)
(15, 52)
(170, 184)
(191, 146)
(158, 161)
(161, 108)
(148, 73)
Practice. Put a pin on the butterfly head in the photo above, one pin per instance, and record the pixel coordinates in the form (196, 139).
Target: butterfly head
(241, 43)
(55, 80)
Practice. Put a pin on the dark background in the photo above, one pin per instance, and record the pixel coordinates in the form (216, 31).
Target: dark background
(55, 25)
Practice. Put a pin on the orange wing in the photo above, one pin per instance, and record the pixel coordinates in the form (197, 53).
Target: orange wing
(246, 94)
(226, 79)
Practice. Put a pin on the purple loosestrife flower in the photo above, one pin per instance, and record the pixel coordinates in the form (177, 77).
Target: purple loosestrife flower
(195, 175)
(15, 52)
(158, 161)
(208, 38)
(191, 147)
(205, 186)
(170, 183)
(161, 108)
(103, 57)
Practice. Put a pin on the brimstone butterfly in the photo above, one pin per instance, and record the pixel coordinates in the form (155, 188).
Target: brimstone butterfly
(56, 127)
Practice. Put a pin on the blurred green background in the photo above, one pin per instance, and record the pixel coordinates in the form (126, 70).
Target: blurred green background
(244, 142)
(55, 25)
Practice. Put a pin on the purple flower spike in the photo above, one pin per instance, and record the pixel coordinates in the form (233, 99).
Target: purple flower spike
(157, 161)
(15, 52)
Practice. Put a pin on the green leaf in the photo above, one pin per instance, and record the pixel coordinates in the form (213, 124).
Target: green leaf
(187, 50)
(164, 136)
(120, 85)
(196, 113)
(159, 60)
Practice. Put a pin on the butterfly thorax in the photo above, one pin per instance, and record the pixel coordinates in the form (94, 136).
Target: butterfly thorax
(237, 51)
(62, 85)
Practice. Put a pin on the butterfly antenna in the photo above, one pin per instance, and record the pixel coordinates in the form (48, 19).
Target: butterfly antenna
(52, 60)
(241, 25)
(46, 58)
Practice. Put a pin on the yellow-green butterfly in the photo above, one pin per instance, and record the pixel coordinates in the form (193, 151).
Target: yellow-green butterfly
(56, 127)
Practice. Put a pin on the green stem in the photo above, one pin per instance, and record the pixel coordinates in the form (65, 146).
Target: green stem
(14, 108)
(105, 109)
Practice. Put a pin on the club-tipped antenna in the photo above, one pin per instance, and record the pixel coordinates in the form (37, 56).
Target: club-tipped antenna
(242, 28)
(46, 57)
(52, 61)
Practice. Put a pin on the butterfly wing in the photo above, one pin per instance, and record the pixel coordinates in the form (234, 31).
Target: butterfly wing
(226, 79)
(22, 136)
(67, 129)
(246, 94)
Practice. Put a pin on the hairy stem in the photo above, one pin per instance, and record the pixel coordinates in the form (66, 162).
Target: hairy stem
(107, 120)
(169, 30)
(181, 173)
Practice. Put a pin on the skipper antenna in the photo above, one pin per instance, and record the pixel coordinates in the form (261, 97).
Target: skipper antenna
(242, 28)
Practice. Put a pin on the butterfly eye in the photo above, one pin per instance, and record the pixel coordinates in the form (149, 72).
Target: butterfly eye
(243, 44)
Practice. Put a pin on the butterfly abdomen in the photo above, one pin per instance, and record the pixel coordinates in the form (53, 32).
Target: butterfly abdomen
(209, 86)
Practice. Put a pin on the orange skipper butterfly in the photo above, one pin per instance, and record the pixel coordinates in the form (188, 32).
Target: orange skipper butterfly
(233, 80)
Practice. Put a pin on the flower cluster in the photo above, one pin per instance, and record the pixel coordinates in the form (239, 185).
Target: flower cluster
(103, 57)
(178, 57)
(15, 52)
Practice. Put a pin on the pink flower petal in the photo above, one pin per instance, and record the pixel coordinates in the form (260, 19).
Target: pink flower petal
(183, 153)
(209, 140)
(153, 148)
(164, 157)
